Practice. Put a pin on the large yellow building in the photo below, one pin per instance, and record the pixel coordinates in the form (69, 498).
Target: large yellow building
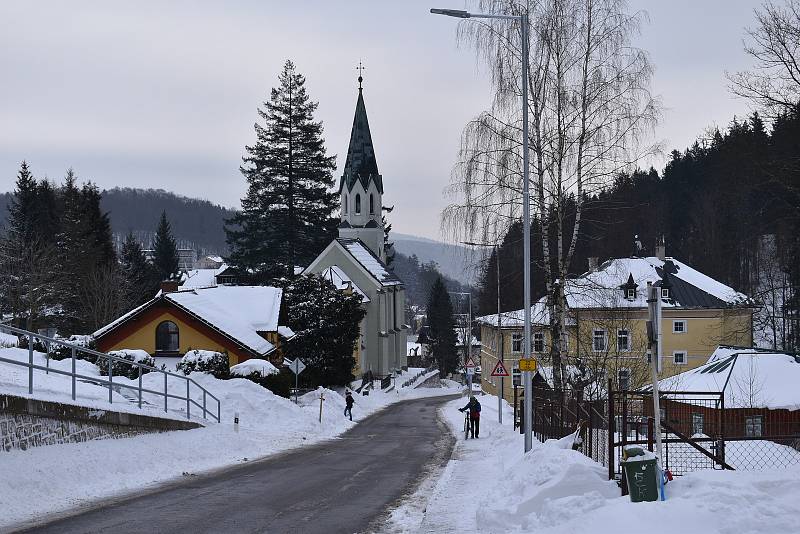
(606, 323)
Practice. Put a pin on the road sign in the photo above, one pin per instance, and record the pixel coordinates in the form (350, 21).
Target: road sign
(516, 377)
(470, 364)
(499, 369)
(297, 366)
(470, 371)
(527, 365)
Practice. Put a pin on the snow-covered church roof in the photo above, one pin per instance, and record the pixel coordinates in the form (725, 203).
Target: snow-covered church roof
(369, 261)
(237, 312)
(340, 279)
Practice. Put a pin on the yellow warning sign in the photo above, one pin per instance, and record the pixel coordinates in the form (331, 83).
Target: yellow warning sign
(527, 365)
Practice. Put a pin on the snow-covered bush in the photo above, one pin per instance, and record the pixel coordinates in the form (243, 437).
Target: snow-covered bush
(60, 352)
(264, 374)
(8, 340)
(126, 369)
(38, 346)
(205, 361)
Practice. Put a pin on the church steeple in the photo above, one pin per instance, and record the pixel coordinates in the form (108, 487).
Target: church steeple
(361, 165)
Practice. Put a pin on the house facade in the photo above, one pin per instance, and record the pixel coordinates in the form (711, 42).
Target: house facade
(360, 253)
(606, 323)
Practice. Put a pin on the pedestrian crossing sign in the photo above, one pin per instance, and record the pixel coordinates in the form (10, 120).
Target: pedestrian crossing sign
(499, 369)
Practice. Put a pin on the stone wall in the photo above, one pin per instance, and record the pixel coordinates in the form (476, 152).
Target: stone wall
(28, 423)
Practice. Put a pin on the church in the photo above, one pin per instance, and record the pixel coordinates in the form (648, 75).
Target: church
(357, 258)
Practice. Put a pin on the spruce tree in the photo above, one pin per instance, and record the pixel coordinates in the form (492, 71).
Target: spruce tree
(287, 214)
(165, 250)
(141, 280)
(442, 327)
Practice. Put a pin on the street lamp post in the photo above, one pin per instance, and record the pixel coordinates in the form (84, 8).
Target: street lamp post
(526, 213)
(499, 351)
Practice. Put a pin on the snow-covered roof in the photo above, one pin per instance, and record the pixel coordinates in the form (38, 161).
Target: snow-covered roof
(515, 319)
(340, 279)
(239, 312)
(196, 278)
(286, 332)
(749, 378)
(369, 261)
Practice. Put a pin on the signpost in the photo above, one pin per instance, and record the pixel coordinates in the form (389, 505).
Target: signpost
(470, 367)
(527, 364)
(297, 367)
(501, 371)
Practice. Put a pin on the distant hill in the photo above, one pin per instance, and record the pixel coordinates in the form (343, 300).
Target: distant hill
(455, 261)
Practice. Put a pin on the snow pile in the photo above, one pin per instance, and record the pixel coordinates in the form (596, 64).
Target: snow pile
(490, 486)
(133, 355)
(8, 340)
(254, 366)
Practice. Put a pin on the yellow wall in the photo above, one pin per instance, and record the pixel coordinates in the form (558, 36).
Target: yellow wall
(145, 338)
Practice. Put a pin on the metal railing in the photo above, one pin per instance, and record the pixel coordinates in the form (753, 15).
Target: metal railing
(109, 359)
(418, 375)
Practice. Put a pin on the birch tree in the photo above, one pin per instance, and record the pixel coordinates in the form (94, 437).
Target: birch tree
(590, 106)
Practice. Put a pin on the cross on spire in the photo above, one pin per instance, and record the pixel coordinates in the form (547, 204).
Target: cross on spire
(360, 70)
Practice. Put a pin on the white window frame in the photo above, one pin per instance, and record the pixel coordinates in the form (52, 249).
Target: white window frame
(675, 357)
(627, 340)
(538, 338)
(630, 294)
(516, 342)
(624, 371)
(595, 338)
(664, 292)
(685, 326)
(751, 423)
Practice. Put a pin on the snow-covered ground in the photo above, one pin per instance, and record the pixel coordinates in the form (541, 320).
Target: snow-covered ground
(490, 486)
(43, 480)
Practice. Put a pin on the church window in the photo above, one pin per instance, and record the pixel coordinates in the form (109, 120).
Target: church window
(358, 204)
(371, 204)
(167, 337)
(345, 204)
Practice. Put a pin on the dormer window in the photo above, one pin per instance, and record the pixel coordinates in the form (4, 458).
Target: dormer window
(664, 292)
(358, 204)
(630, 294)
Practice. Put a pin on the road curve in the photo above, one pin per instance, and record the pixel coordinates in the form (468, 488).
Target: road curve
(340, 486)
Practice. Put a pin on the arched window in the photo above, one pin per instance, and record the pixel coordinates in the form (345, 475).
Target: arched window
(371, 204)
(358, 204)
(345, 204)
(167, 337)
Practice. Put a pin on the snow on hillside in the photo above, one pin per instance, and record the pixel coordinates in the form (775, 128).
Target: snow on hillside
(491, 487)
(41, 480)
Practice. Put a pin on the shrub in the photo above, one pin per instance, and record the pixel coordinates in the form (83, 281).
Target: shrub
(126, 369)
(205, 361)
(60, 352)
(265, 375)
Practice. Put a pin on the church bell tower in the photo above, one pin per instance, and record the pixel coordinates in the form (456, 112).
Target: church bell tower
(361, 186)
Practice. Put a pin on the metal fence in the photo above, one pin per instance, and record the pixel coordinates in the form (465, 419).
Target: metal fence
(137, 390)
(698, 430)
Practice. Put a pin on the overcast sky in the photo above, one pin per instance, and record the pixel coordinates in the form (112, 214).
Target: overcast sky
(164, 94)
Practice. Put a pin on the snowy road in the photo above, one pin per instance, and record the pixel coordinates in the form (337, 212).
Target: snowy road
(343, 485)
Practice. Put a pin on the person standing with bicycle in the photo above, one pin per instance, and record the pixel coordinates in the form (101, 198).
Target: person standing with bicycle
(474, 408)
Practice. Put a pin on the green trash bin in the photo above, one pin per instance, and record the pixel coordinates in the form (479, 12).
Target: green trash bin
(641, 474)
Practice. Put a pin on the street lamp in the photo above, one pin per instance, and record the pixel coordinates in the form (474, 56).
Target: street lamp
(526, 207)
(499, 350)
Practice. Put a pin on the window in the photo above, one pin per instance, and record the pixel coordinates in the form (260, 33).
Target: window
(623, 340)
(371, 204)
(599, 340)
(679, 327)
(345, 204)
(753, 426)
(358, 204)
(624, 379)
(679, 357)
(167, 337)
(697, 423)
(516, 342)
(664, 292)
(631, 294)
(538, 342)
(663, 413)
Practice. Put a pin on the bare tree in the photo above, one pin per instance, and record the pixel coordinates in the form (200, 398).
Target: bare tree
(774, 44)
(104, 295)
(590, 106)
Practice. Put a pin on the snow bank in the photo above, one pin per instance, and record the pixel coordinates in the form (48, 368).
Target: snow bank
(254, 366)
(8, 340)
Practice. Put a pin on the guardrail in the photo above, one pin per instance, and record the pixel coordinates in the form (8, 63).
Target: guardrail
(418, 375)
(110, 384)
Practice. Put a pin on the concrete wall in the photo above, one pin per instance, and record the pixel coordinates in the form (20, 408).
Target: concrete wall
(26, 423)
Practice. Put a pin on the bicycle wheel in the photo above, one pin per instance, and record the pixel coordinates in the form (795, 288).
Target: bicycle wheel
(466, 427)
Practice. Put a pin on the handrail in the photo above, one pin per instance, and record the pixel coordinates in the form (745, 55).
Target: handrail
(109, 383)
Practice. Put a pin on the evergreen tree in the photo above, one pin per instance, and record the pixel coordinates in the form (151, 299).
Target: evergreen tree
(326, 321)
(442, 328)
(165, 250)
(141, 279)
(287, 214)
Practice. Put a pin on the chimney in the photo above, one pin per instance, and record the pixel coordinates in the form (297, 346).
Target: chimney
(661, 249)
(592, 263)
(169, 286)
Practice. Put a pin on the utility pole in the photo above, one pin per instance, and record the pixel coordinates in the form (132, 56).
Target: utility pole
(655, 338)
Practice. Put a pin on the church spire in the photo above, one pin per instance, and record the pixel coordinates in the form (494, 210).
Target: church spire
(361, 164)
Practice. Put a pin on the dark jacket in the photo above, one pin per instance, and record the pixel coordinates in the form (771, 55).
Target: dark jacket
(474, 408)
(348, 400)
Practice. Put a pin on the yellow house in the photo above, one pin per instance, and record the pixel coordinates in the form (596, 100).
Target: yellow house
(606, 324)
(239, 320)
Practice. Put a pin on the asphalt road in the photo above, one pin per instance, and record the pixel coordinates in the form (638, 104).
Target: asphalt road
(345, 485)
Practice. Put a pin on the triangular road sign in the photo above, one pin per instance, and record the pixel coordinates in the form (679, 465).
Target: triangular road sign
(499, 369)
(470, 364)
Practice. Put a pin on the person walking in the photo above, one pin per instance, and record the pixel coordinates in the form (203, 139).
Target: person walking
(474, 408)
(348, 405)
